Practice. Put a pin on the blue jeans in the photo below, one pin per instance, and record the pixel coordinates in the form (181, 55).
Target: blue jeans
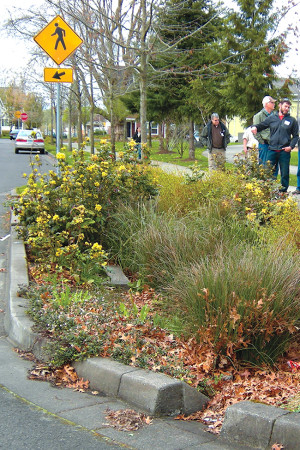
(262, 153)
(283, 159)
(298, 171)
(138, 148)
(263, 157)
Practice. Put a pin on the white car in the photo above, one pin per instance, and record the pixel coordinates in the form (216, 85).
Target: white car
(30, 140)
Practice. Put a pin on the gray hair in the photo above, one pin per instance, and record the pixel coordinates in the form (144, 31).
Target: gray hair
(267, 99)
(214, 116)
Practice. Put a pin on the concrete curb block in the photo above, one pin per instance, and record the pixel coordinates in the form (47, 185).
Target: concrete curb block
(17, 324)
(261, 425)
(155, 393)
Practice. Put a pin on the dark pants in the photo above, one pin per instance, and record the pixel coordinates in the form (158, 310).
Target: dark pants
(298, 171)
(263, 150)
(263, 153)
(283, 159)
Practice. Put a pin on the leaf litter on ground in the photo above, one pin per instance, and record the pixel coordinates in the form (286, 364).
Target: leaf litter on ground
(161, 351)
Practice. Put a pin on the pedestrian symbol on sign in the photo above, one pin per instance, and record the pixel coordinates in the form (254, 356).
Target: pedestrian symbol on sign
(60, 36)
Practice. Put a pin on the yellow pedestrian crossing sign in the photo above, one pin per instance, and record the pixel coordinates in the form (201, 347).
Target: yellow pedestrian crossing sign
(58, 40)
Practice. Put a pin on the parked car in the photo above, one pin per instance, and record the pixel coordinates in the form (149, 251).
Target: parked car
(30, 140)
(13, 133)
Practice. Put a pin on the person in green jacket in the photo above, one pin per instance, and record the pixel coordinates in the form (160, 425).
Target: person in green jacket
(264, 136)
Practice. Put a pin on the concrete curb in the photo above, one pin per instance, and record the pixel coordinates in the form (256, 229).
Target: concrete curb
(261, 426)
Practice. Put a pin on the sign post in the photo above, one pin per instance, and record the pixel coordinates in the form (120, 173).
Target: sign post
(59, 41)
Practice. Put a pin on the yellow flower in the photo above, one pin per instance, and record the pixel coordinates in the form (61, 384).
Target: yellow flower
(121, 168)
(104, 174)
(24, 175)
(55, 217)
(97, 184)
(96, 247)
(60, 156)
(103, 141)
(249, 186)
(98, 207)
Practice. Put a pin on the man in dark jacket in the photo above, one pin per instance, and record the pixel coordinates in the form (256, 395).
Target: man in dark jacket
(215, 137)
(284, 134)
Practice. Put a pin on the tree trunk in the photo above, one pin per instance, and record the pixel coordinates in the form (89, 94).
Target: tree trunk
(143, 76)
(70, 121)
(150, 136)
(191, 141)
(161, 139)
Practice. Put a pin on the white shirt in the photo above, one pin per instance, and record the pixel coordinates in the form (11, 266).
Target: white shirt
(251, 141)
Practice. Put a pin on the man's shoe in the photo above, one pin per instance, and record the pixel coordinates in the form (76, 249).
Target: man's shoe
(296, 192)
(283, 190)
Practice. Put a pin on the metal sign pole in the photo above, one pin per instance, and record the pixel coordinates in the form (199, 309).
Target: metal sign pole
(58, 119)
(58, 123)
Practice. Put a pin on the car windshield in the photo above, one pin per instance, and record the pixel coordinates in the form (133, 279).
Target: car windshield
(29, 133)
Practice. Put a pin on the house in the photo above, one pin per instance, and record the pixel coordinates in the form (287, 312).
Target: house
(4, 119)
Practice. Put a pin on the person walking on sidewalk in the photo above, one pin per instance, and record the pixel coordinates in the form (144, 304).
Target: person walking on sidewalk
(137, 138)
(215, 136)
(264, 136)
(284, 135)
(297, 191)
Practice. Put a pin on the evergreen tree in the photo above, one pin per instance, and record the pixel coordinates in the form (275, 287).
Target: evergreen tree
(251, 71)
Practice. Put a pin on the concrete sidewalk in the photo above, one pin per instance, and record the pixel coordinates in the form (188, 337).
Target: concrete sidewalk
(247, 425)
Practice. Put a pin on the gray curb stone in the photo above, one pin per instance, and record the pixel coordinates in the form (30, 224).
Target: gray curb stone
(155, 393)
(261, 425)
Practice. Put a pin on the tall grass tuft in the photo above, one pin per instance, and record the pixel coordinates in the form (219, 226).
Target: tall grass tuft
(246, 302)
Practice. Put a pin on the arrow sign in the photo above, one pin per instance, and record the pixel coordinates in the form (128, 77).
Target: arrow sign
(57, 75)
(58, 40)
(54, 75)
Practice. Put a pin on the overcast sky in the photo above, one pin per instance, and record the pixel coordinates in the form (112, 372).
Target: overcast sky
(14, 51)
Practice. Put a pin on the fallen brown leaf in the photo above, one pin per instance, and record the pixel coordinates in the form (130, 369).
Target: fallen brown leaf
(127, 419)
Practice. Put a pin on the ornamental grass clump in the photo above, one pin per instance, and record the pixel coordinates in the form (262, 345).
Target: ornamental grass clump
(246, 302)
(63, 214)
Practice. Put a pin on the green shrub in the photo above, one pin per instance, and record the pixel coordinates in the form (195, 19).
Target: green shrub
(63, 214)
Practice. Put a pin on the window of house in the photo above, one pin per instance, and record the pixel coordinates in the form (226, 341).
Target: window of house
(154, 128)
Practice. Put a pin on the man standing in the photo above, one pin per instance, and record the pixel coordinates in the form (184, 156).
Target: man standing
(264, 137)
(297, 191)
(284, 134)
(215, 137)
